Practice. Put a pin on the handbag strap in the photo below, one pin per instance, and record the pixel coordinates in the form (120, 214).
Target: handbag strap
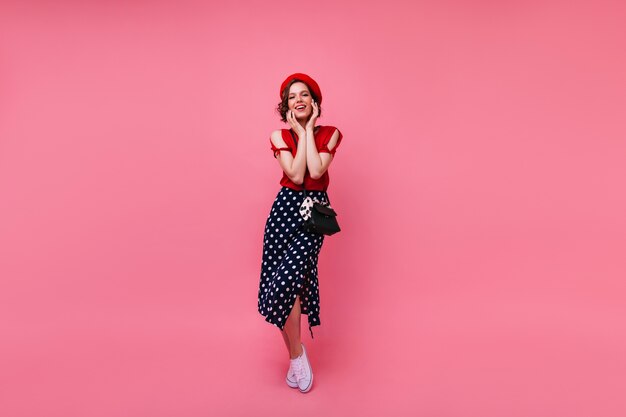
(296, 142)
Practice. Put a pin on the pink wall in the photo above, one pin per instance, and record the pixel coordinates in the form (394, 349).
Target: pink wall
(480, 188)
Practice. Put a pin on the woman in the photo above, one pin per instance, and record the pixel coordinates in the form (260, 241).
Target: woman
(288, 286)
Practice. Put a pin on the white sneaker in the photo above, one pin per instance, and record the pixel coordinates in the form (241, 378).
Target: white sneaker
(303, 372)
(291, 377)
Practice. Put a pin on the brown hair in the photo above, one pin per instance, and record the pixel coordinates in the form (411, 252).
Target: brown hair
(283, 107)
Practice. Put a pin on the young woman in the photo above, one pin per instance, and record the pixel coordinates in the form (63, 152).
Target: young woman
(289, 286)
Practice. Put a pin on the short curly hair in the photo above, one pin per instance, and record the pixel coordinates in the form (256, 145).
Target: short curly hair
(283, 107)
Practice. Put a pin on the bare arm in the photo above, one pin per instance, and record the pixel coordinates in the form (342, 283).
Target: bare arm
(294, 167)
(318, 162)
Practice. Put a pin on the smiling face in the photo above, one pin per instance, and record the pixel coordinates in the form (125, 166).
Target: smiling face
(300, 100)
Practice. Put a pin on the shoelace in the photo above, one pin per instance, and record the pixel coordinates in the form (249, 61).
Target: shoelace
(298, 368)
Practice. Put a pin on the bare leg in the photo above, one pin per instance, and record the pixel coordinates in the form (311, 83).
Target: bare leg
(286, 339)
(292, 329)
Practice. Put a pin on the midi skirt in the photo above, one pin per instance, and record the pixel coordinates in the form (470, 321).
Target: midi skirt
(289, 261)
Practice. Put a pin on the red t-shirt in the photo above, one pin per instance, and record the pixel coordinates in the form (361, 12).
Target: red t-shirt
(322, 137)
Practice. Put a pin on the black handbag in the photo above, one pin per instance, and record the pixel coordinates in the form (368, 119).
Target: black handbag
(323, 219)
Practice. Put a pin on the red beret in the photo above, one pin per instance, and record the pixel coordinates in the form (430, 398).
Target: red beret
(307, 80)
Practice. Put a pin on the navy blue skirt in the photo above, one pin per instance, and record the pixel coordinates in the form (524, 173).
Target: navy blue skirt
(289, 261)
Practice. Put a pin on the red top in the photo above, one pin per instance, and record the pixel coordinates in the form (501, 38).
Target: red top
(322, 137)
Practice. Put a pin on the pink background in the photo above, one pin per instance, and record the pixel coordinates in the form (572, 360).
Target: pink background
(480, 188)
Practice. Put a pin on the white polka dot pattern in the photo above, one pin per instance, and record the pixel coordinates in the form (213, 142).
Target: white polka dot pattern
(289, 261)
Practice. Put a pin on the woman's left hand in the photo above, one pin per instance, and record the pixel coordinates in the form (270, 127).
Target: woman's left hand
(314, 113)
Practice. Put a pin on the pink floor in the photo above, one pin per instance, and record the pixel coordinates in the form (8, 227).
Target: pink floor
(449, 355)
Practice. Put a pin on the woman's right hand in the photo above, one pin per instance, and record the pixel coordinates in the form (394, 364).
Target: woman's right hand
(295, 125)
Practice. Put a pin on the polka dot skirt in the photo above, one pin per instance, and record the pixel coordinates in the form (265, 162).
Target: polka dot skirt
(289, 264)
